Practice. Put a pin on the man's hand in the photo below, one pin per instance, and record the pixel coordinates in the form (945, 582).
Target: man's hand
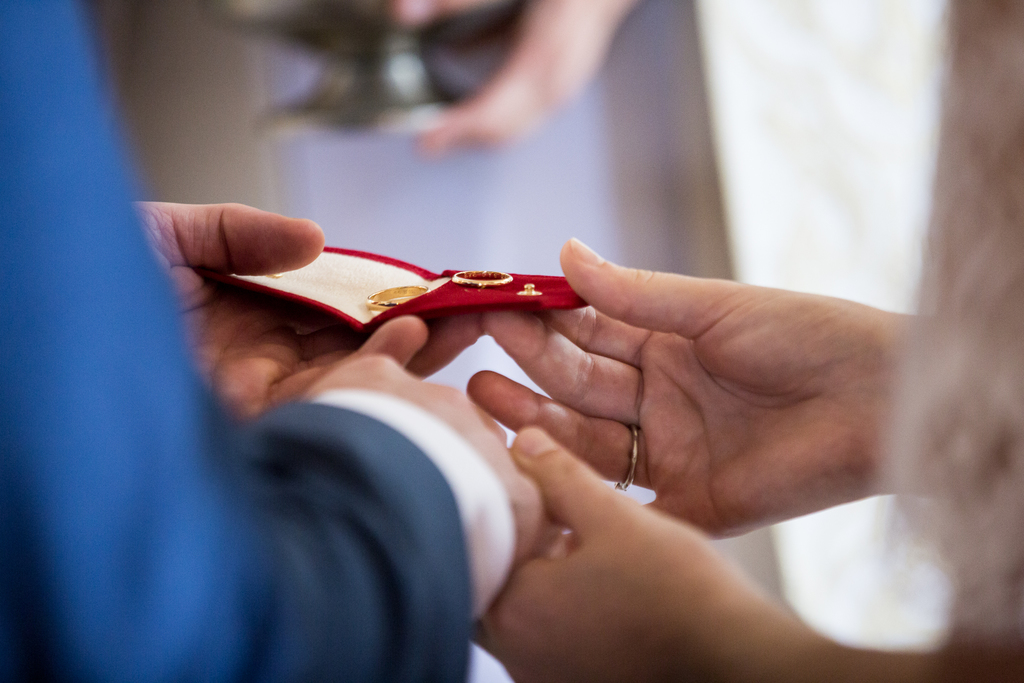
(755, 405)
(559, 46)
(256, 351)
(380, 369)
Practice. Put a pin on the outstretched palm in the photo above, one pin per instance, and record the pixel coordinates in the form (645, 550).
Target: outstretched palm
(256, 351)
(754, 404)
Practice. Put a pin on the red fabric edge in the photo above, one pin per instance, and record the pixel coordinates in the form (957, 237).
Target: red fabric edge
(557, 294)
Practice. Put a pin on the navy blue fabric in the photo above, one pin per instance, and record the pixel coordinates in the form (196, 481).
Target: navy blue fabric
(137, 526)
(326, 479)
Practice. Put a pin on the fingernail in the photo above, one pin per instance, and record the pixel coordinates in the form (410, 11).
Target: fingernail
(533, 442)
(585, 254)
(415, 11)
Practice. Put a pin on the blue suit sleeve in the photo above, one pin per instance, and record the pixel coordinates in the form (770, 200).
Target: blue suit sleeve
(143, 536)
(342, 522)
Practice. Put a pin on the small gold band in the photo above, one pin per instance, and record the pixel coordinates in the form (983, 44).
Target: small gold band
(628, 481)
(481, 278)
(389, 298)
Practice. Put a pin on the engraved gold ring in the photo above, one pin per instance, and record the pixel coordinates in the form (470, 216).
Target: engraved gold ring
(481, 278)
(389, 298)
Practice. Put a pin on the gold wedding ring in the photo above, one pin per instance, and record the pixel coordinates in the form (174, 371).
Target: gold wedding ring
(389, 298)
(628, 481)
(481, 278)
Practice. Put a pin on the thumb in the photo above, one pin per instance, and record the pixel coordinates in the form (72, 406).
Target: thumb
(230, 238)
(665, 302)
(401, 339)
(573, 494)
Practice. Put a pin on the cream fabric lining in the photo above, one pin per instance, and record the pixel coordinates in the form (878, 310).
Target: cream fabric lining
(343, 282)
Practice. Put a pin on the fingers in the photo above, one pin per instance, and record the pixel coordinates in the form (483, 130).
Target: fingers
(595, 332)
(604, 444)
(656, 301)
(492, 426)
(572, 494)
(400, 339)
(230, 238)
(590, 383)
(448, 338)
(244, 384)
(561, 44)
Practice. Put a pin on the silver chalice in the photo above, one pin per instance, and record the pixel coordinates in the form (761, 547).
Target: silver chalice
(376, 72)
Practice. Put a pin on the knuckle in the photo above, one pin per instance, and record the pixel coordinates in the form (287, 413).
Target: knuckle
(642, 277)
(587, 326)
(545, 413)
(635, 282)
(583, 377)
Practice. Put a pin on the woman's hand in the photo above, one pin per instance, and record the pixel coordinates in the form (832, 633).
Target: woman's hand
(635, 596)
(256, 351)
(754, 404)
(559, 46)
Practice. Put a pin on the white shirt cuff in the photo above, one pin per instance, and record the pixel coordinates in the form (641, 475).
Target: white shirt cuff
(487, 521)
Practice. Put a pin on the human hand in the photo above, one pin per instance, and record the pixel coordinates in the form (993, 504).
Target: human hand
(754, 404)
(378, 367)
(558, 48)
(256, 351)
(636, 596)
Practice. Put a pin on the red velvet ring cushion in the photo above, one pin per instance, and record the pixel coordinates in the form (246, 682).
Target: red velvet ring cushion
(339, 281)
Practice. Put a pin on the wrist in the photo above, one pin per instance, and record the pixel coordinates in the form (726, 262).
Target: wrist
(782, 649)
(731, 632)
(489, 525)
(804, 656)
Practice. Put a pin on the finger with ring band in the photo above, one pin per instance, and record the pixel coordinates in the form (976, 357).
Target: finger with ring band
(628, 481)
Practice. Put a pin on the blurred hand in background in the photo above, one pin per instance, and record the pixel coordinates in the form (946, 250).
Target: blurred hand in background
(558, 47)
